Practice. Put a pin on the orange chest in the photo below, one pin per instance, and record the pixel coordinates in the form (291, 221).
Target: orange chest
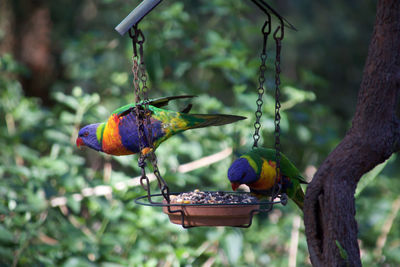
(112, 143)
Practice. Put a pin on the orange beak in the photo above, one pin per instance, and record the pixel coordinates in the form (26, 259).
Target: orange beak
(79, 142)
(235, 186)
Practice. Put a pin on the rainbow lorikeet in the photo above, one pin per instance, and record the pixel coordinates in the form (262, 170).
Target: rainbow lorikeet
(119, 135)
(257, 169)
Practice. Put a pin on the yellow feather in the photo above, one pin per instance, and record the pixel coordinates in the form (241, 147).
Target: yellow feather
(267, 176)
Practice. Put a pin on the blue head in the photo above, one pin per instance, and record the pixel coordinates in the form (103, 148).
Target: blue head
(241, 172)
(87, 136)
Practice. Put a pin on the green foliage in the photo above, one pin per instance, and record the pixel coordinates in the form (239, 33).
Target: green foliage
(54, 208)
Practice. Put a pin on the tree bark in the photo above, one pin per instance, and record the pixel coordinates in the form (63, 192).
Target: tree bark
(26, 34)
(329, 207)
(35, 51)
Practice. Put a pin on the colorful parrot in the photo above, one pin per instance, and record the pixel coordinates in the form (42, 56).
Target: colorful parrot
(119, 135)
(257, 169)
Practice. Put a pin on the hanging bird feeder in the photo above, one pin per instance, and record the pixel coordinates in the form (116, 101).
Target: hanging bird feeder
(198, 208)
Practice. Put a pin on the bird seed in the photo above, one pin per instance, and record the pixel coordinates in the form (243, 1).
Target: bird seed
(201, 197)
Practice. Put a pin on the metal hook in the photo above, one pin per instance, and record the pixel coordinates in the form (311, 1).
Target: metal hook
(266, 30)
(282, 33)
(134, 37)
(267, 23)
(140, 37)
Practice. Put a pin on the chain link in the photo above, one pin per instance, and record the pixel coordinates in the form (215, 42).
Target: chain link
(266, 29)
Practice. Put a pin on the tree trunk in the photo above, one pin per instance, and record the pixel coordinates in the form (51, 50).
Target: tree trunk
(35, 51)
(329, 207)
(26, 33)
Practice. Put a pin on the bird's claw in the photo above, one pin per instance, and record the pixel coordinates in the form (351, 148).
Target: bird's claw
(146, 151)
(284, 199)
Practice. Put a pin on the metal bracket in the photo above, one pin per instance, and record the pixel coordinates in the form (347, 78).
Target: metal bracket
(146, 6)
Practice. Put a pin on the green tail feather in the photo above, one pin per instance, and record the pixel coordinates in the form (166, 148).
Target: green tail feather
(206, 120)
(298, 198)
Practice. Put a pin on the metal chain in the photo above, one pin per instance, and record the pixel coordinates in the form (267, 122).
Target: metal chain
(144, 119)
(153, 158)
(266, 30)
(144, 92)
(142, 113)
(135, 60)
(278, 37)
(138, 39)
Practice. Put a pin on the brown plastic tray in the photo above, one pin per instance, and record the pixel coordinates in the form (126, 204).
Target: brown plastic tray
(212, 215)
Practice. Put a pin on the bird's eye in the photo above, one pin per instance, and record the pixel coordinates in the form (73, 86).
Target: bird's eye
(85, 134)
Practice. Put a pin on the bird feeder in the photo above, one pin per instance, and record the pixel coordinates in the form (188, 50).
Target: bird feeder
(197, 208)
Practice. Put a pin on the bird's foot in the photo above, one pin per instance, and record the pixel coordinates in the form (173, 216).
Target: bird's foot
(146, 150)
(284, 199)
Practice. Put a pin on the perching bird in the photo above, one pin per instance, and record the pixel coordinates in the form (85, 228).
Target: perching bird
(119, 135)
(257, 169)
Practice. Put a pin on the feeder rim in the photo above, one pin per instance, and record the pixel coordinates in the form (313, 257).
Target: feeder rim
(139, 201)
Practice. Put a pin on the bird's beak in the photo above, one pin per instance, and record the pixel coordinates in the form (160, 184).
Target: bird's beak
(235, 186)
(79, 142)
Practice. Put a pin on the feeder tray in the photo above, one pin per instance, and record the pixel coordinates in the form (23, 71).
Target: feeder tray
(210, 214)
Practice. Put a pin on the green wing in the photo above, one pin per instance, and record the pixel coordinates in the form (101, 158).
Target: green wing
(158, 102)
(163, 101)
(287, 167)
(294, 192)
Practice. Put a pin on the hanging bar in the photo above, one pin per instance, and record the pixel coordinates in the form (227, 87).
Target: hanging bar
(261, 4)
(148, 5)
(136, 15)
